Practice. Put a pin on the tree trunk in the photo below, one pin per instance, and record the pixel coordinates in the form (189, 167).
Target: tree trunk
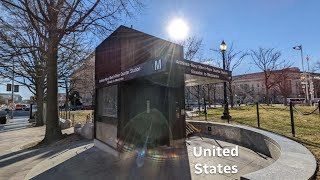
(267, 88)
(53, 130)
(204, 98)
(209, 96)
(39, 99)
(285, 100)
(214, 97)
(267, 97)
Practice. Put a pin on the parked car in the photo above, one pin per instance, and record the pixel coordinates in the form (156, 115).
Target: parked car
(20, 107)
(27, 108)
(3, 117)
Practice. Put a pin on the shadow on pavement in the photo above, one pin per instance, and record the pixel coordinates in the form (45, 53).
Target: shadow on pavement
(43, 152)
(96, 164)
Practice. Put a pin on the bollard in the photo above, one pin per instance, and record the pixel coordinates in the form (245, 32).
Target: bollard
(319, 107)
(258, 116)
(92, 115)
(72, 119)
(30, 110)
(292, 120)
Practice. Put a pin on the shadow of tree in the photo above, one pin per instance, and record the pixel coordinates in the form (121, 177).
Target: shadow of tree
(96, 164)
(42, 152)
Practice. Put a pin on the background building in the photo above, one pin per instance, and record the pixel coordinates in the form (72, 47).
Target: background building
(6, 97)
(82, 81)
(286, 83)
(250, 88)
(61, 99)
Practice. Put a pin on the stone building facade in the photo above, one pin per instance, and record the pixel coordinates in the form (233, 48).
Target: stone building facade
(284, 84)
(82, 80)
(250, 88)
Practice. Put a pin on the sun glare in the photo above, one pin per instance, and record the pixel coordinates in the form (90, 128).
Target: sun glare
(178, 29)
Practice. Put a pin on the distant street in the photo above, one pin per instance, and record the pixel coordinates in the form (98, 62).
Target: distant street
(19, 121)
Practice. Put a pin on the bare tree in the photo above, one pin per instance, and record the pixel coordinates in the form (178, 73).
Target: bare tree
(268, 60)
(282, 79)
(193, 52)
(214, 90)
(316, 84)
(317, 66)
(53, 21)
(233, 59)
(197, 92)
(192, 48)
(21, 55)
(82, 80)
(26, 51)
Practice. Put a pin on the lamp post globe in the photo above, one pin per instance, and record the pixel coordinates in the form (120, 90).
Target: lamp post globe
(226, 115)
(223, 46)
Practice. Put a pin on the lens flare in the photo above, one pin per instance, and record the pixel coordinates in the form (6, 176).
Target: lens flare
(178, 29)
(141, 155)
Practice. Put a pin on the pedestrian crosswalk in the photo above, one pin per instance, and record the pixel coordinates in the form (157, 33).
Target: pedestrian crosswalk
(15, 124)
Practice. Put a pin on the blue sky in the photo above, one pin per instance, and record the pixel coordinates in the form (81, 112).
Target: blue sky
(24, 91)
(249, 24)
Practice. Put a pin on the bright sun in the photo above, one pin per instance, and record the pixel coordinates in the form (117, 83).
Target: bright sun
(178, 29)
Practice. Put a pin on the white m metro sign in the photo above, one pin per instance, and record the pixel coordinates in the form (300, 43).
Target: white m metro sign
(157, 64)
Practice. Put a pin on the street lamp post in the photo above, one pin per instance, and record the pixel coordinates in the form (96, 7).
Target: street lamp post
(226, 115)
(305, 79)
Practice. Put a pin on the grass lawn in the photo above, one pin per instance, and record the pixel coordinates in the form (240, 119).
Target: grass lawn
(277, 119)
(79, 116)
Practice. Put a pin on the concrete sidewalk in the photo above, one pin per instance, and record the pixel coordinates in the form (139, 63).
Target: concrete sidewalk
(16, 162)
(79, 159)
(88, 162)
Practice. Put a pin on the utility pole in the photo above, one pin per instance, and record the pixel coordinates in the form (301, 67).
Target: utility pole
(305, 78)
(12, 89)
(310, 83)
(66, 106)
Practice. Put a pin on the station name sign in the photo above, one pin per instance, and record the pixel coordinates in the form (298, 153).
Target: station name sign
(199, 69)
(144, 69)
(120, 76)
(160, 65)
